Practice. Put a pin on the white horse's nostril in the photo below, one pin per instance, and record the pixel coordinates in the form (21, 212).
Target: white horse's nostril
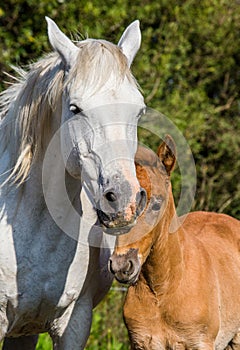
(110, 196)
(141, 201)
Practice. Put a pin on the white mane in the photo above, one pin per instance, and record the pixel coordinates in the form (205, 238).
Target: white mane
(26, 107)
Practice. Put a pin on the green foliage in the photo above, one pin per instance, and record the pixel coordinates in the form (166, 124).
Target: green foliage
(194, 80)
(44, 342)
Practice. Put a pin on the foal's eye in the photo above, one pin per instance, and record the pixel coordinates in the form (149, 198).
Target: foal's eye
(157, 203)
(75, 109)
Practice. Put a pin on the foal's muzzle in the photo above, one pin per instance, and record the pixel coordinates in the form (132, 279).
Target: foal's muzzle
(125, 267)
(117, 218)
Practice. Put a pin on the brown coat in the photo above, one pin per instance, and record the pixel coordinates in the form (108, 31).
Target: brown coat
(184, 272)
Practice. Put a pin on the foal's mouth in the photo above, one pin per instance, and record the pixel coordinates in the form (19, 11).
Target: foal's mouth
(130, 280)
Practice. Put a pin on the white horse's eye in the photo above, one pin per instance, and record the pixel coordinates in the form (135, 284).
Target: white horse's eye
(75, 109)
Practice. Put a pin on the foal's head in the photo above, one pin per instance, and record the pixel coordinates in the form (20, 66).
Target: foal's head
(133, 248)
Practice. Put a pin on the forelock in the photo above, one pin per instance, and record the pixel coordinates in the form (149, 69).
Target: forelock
(97, 61)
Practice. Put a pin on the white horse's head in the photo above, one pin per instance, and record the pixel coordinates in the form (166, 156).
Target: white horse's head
(101, 106)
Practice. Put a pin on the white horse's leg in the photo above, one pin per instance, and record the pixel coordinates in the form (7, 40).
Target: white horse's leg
(77, 331)
(21, 343)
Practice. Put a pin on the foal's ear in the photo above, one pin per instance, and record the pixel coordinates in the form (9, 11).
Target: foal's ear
(167, 153)
(61, 43)
(130, 41)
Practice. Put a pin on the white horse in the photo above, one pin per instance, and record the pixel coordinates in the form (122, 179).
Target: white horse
(68, 140)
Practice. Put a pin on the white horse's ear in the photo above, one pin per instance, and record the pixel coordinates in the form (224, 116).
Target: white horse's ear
(61, 43)
(130, 41)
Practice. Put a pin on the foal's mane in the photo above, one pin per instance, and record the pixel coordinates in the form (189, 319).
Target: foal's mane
(26, 107)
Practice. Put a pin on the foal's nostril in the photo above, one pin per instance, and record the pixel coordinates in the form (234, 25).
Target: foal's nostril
(129, 268)
(110, 196)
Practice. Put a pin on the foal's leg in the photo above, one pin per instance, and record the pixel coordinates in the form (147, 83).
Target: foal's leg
(20, 343)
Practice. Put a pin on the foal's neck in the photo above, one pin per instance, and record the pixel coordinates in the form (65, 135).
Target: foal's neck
(164, 263)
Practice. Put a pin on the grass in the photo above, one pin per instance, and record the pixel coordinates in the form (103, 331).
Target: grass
(44, 342)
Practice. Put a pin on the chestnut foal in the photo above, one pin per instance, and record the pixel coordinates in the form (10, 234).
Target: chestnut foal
(184, 273)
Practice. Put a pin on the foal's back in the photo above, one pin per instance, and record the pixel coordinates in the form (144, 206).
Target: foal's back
(212, 229)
